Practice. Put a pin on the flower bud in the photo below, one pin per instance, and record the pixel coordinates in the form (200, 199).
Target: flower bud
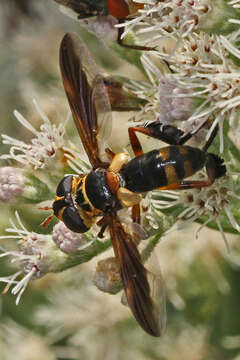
(19, 185)
(67, 240)
(12, 183)
(107, 277)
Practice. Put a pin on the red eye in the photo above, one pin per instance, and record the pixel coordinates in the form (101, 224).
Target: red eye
(118, 8)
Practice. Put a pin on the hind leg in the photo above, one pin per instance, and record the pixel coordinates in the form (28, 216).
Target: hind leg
(167, 133)
(185, 185)
(210, 140)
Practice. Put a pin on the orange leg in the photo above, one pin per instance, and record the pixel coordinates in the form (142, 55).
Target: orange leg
(167, 133)
(184, 185)
(46, 222)
(135, 143)
(136, 214)
(110, 153)
(103, 223)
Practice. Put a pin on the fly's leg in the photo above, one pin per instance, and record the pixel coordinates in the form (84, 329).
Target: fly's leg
(136, 214)
(167, 133)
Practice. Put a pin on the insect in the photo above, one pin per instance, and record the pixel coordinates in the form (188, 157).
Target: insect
(118, 183)
(120, 9)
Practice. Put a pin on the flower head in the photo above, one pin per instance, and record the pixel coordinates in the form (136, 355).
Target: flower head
(168, 18)
(177, 19)
(213, 78)
(209, 202)
(203, 88)
(43, 146)
(35, 258)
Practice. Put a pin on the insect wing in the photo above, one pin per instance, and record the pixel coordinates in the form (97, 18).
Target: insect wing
(104, 113)
(157, 290)
(86, 8)
(87, 96)
(142, 288)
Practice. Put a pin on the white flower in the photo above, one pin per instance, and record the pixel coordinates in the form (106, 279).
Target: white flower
(167, 18)
(35, 258)
(206, 84)
(236, 5)
(77, 160)
(43, 146)
(169, 101)
(206, 70)
(149, 212)
(209, 201)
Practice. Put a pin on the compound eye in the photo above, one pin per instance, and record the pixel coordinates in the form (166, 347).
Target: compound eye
(64, 186)
(73, 221)
(57, 206)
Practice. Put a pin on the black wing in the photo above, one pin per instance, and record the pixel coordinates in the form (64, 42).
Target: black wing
(144, 290)
(87, 97)
(86, 8)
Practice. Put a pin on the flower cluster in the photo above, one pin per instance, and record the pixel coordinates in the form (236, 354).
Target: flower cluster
(169, 18)
(43, 146)
(203, 87)
(11, 183)
(206, 203)
(39, 254)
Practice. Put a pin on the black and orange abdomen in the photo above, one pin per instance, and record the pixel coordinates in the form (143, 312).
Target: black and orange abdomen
(163, 167)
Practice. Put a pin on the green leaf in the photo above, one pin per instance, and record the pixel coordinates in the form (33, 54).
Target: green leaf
(35, 190)
(85, 255)
(217, 20)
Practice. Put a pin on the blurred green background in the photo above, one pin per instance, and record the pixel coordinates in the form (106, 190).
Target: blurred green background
(64, 316)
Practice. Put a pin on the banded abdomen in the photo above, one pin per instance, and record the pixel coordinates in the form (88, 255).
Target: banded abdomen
(163, 167)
